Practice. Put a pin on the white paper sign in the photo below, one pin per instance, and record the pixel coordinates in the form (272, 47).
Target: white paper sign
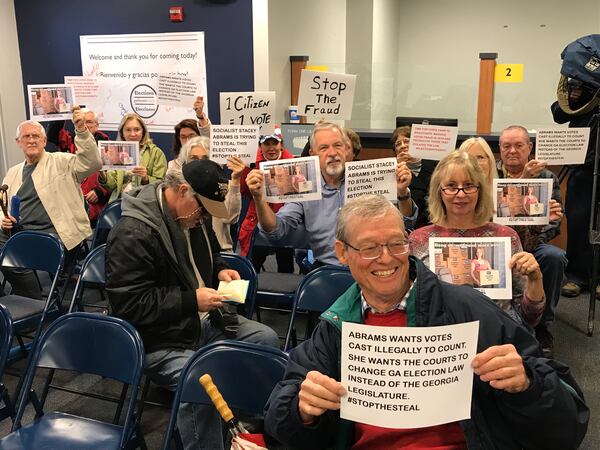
(432, 141)
(292, 180)
(561, 146)
(407, 377)
(119, 155)
(523, 201)
(128, 66)
(85, 89)
(480, 262)
(374, 176)
(49, 102)
(177, 90)
(234, 140)
(326, 94)
(248, 108)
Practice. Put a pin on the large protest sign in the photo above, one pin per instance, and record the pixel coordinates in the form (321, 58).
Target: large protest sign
(326, 94)
(561, 146)
(85, 89)
(128, 67)
(481, 262)
(248, 108)
(522, 201)
(407, 377)
(374, 176)
(432, 141)
(234, 140)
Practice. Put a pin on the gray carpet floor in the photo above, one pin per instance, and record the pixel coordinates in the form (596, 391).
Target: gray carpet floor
(572, 346)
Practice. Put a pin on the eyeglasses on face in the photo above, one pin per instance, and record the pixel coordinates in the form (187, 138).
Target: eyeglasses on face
(454, 190)
(374, 251)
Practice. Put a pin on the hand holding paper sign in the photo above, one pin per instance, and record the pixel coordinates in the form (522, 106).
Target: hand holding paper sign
(237, 166)
(199, 109)
(533, 169)
(254, 181)
(142, 172)
(556, 211)
(502, 367)
(318, 394)
(403, 178)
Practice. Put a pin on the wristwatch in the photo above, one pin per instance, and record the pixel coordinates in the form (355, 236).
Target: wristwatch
(404, 197)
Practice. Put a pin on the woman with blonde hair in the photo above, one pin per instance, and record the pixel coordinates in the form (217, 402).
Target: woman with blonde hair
(152, 165)
(460, 205)
(480, 149)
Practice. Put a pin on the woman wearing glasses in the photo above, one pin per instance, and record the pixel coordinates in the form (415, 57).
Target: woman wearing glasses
(460, 205)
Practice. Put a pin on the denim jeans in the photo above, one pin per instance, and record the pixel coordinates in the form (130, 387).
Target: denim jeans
(200, 426)
(552, 261)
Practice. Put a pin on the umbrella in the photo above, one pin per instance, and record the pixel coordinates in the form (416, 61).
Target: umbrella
(242, 440)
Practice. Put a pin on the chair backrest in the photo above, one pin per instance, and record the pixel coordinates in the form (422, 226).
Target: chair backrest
(92, 271)
(90, 343)
(108, 218)
(244, 373)
(6, 335)
(317, 292)
(33, 250)
(246, 270)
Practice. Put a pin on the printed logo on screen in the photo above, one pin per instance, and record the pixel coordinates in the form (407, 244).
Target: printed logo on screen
(592, 64)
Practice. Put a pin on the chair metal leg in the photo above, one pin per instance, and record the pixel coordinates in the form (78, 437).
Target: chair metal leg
(120, 404)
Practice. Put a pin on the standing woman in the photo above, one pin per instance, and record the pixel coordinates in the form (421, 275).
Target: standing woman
(153, 163)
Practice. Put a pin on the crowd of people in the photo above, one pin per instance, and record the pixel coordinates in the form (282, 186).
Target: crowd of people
(163, 265)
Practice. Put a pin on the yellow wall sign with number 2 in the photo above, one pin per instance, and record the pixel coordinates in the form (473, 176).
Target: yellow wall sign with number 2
(508, 73)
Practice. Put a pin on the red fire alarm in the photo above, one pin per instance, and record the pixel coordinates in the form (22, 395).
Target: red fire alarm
(176, 13)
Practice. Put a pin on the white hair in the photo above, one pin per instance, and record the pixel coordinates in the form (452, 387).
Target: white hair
(30, 122)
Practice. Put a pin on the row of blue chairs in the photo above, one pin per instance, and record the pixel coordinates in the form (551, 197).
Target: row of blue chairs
(110, 347)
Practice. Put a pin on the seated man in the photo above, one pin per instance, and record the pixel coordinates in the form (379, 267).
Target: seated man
(329, 142)
(37, 180)
(515, 148)
(162, 265)
(520, 400)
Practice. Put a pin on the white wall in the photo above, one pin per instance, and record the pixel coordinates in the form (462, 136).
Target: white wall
(440, 44)
(312, 28)
(12, 102)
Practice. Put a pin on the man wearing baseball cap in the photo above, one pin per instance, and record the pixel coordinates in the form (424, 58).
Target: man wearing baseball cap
(162, 268)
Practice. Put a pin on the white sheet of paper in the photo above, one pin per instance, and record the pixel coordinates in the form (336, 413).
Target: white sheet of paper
(248, 108)
(374, 176)
(48, 102)
(407, 377)
(562, 146)
(177, 90)
(326, 94)
(234, 140)
(432, 141)
(514, 206)
(450, 258)
(85, 89)
(292, 180)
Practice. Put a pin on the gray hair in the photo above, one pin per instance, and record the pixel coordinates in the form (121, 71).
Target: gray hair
(30, 122)
(87, 110)
(322, 126)
(198, 141)
(174, 178)
(368, 206)
(516, 127)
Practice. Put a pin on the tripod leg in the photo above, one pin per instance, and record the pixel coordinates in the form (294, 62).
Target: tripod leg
(593, 281)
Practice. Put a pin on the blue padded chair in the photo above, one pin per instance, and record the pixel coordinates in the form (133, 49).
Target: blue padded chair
(6, 335)
(316, 293)
(106, 221)
(41, 252)
(244, 373)
(86, 343)
(92, 272)
(246, 270)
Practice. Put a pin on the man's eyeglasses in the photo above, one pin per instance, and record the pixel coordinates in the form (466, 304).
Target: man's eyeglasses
(453, 190)
(374, 251)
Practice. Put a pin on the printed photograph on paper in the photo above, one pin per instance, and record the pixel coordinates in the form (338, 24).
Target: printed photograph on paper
(522, 201)
(289, 180)
(50, 102)
(478, 262)
(119, 155)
